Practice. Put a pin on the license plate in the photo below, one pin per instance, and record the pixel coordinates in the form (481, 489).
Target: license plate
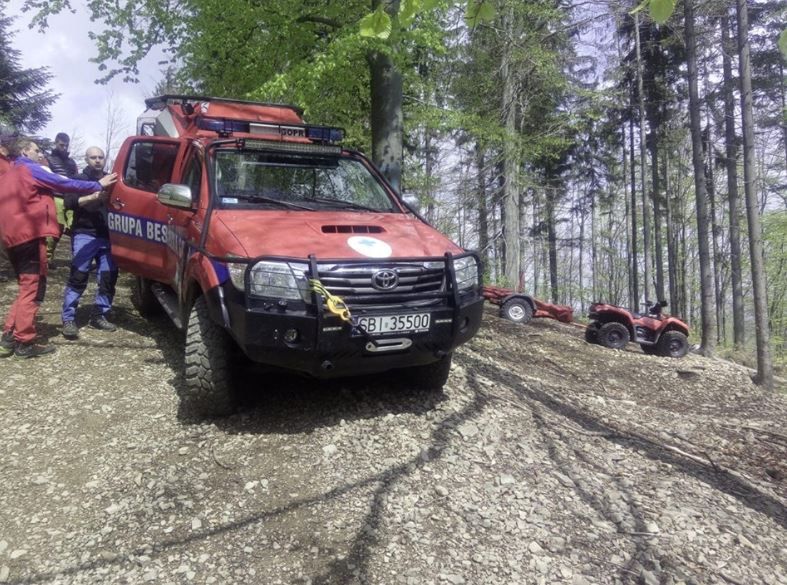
(395, 323)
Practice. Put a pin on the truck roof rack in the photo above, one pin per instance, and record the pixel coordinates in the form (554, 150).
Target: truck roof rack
(161, 101)
(177, 115)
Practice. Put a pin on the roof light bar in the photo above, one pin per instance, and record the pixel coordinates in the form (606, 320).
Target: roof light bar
(317, 133)
(222, 126)
(294, 147)
(225, 127)
(324, 133)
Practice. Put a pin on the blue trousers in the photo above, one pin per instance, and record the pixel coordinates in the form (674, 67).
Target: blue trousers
(87, 249)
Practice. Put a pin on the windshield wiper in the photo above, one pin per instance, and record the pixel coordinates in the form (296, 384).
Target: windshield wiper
(342, 203)
(264, 199)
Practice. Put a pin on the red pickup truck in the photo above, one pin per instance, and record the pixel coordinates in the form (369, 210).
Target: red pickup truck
(264, 239)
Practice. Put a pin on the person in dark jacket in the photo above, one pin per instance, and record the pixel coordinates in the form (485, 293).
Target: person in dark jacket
(27, 218)
(61, 163)
(89, 242)
(59, 160)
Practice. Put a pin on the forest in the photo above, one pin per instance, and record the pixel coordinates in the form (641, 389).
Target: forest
(589, 149)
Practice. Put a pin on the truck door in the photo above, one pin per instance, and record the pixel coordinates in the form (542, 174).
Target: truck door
(137, 221)
(182, 224)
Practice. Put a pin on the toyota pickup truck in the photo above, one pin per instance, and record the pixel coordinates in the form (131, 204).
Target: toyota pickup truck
(264, 239)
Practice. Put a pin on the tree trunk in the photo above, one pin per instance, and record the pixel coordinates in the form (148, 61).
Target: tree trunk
(630, 225)
(634, 234)
(511, 162)
(731, 162)
(551, 197)
(386, 110)
(658, 260)
(593, 243)
(483, 219)
(715, 232)
(701, 196)
(386, 117)
(428, 166)
(643, 166)
(582, 220)
(764, 365)
(672, 259)
(784, 109)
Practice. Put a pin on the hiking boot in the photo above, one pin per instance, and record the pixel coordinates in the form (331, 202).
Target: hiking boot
(31, 350)
(70, 330)
(100, 322)
(7, 344)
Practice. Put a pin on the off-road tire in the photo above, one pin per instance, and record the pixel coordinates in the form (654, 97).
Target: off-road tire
(208, 391)
(143, 299)
(649, 349)
(673, 344)
(431, 376)
(591, 332)
(613, 335)
(516, 310)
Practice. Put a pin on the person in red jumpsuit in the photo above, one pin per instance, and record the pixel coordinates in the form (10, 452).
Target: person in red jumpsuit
(27, 218)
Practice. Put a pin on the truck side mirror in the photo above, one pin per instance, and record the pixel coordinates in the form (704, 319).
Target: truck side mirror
(175, 195)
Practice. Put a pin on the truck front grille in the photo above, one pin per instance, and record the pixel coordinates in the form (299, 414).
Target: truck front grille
(385, 283)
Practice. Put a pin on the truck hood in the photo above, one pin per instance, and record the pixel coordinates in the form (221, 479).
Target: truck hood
(331, 234)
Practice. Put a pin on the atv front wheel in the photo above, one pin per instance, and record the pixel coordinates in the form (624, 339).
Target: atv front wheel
(208, 390)
(613, 335)
(673, 344)
(517, 310)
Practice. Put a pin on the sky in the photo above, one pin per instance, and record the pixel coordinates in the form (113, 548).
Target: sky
(81, 109)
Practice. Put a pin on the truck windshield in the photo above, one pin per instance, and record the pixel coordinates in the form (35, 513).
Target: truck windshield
(249, 179)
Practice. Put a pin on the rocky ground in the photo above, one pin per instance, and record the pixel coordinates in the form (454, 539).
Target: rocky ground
(545, 460)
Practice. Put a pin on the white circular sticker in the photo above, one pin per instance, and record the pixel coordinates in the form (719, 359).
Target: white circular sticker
(371, 247)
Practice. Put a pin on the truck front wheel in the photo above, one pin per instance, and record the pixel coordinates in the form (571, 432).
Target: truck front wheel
(431, 376)
(208, 390)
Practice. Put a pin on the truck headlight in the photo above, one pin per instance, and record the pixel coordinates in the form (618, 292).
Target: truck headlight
(466, 270)
(279, 280)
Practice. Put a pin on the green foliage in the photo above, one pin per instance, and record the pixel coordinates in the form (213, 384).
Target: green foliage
(24, 99)
(479, 11)
(377, 24)
(661, 10)
(408, 10)
(783, 43)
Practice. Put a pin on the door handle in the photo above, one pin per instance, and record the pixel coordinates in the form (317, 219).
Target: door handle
(170, 218)
(117, 203)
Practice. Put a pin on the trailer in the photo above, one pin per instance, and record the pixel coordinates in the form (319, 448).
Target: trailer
(521, 308)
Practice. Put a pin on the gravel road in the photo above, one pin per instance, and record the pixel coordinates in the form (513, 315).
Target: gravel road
(544, 460)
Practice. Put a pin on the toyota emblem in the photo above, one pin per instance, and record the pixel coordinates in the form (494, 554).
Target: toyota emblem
(385, 280)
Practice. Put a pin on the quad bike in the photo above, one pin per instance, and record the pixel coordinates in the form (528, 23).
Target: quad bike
(657, 334)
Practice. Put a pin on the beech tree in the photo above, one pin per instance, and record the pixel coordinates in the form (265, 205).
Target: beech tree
(764, 365)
